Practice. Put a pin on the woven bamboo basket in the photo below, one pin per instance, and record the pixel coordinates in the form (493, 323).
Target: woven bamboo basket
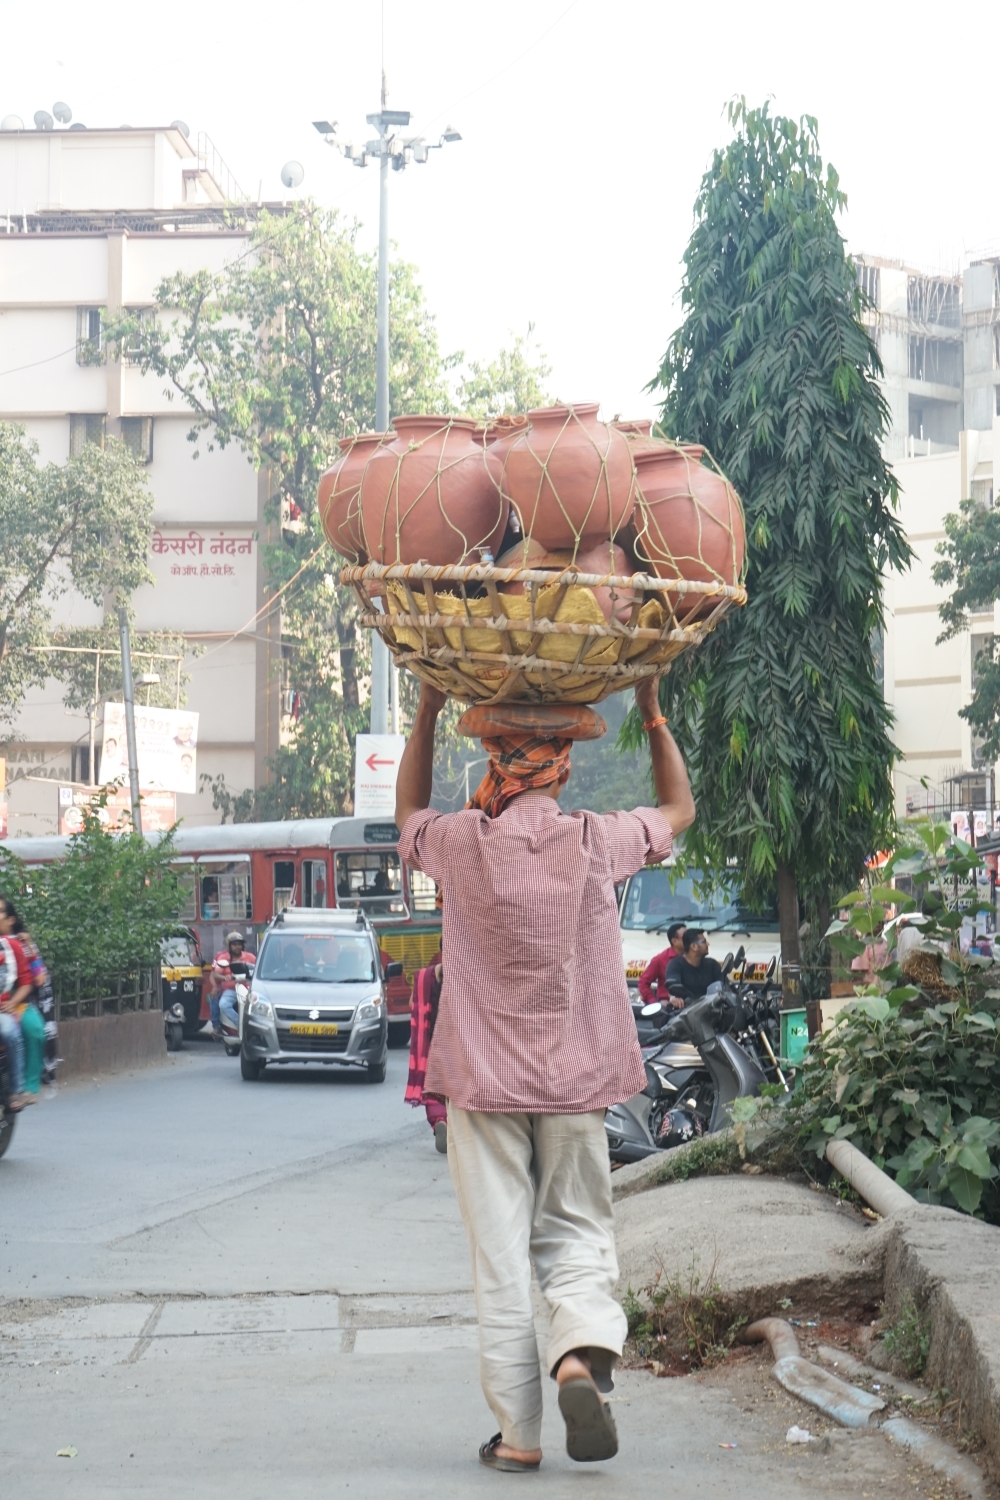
(452, 627)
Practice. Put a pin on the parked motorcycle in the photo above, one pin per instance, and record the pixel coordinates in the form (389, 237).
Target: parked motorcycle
(173, 1026)
(758, 1029)
(7, 1115)
(694, 1071)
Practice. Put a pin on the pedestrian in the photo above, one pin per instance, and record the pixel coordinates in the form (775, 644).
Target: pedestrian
(534, 1040)
(42, 1000)
(423, 1014)
(653, 979)
(16, 989)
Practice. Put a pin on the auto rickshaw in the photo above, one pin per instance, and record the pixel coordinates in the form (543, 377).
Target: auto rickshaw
(181, 976)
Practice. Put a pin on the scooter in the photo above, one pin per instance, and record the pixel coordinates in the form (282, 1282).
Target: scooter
(693, 1074)
(242, 972)
(650, 1019)
(8, 1116)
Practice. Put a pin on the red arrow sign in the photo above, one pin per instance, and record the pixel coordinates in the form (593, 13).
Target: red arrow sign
(373, 761)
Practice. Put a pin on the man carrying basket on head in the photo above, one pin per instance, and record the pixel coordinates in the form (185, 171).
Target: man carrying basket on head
(534, 1040)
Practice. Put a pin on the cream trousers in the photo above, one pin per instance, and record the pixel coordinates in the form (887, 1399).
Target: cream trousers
(536, 1188)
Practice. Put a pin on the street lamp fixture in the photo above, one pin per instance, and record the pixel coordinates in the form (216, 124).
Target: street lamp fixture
(395, 150)
(148, 680)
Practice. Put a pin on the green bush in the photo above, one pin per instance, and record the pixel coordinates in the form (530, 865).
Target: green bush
(910, 1074)
(101, 910)
(920, 1095)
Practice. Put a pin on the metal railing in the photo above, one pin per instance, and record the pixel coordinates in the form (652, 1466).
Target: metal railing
(211, 162)
(115, 995)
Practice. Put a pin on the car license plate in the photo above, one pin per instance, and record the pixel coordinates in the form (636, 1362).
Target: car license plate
(303, 1028)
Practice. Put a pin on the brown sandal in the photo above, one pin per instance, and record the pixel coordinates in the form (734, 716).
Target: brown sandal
(493, 1460)
(591, 1434)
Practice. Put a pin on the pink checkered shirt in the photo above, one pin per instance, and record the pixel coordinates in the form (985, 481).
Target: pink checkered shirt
(534, 1014)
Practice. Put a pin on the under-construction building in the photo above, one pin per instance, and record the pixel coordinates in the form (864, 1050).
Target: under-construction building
(939, 340)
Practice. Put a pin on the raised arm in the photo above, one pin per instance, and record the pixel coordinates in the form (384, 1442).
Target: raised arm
(416, 768)
(673, 791)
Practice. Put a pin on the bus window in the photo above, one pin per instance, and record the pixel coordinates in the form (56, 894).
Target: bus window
(314, 882)
(423, 891)
(225, 890)
(373, 879)
(186, 881)
(284, 884)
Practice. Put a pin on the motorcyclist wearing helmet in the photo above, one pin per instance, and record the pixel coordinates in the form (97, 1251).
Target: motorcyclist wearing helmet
(222, 981)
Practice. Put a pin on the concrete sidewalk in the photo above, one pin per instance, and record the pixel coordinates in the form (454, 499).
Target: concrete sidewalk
(337, 1350)
(774, 1238)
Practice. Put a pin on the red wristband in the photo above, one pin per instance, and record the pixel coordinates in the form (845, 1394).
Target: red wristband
(655, 723)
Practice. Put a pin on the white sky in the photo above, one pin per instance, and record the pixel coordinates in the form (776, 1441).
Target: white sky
(586, 129)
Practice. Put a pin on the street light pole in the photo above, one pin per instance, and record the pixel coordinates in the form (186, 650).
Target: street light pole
(397, 151)
(128, 694)
(379, 717)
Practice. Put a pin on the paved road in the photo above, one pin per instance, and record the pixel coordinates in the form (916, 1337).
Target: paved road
(213, 1288)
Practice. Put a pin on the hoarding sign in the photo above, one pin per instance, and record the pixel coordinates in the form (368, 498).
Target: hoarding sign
(376, 763)
(167, 745)
(159, 809)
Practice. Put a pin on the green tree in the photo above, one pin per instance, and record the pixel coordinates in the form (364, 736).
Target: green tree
(779, 713)
(83, 525)
(514, 381)
(73, 660)
(277, 354)
(102, 909)
(970, 565)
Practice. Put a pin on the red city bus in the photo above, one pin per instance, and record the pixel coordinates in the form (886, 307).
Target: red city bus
(242, 874)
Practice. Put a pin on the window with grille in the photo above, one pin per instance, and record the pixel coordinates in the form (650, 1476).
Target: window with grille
(982, 656)
(145, 317)
(84, 428)
(88, 334)
(137, 435)
(423, 891)
(80, 764)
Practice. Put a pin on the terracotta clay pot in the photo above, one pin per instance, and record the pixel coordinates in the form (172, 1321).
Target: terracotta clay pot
(689, 521)
(600, 557)
(634, 426)
(570, 477)
(426, 496)
(339, 489)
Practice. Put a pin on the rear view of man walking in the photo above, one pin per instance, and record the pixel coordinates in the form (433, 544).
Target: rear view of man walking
(534, 1040)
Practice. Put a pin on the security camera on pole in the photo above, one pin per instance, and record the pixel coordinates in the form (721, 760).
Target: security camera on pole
(399, 151)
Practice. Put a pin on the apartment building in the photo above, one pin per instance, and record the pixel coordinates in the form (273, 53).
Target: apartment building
(93, 220)
(939, 339)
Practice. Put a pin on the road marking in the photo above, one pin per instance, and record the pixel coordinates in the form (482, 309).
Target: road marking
(146, 1336)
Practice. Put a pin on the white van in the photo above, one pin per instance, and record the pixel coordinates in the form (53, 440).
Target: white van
(657, 897)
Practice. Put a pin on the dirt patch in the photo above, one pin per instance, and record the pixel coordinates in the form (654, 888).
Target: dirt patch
(868, 1464)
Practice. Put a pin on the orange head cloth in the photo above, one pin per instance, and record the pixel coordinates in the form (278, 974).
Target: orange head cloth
(519, 763)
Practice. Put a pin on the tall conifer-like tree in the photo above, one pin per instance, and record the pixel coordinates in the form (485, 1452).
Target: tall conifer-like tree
(780, 713)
